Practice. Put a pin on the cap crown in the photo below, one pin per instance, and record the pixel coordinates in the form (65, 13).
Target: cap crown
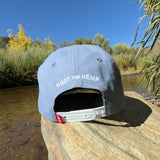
(79, 66)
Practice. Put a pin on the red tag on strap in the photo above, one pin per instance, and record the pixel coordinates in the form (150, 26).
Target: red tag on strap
(59, 119)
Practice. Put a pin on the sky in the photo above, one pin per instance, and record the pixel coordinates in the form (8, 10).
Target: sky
(67, 20)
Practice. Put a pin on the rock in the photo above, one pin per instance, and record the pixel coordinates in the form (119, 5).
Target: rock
(133, 133)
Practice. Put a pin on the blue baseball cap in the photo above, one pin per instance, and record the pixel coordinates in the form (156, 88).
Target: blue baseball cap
(74, 72)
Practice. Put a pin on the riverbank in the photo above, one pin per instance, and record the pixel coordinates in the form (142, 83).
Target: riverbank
(5, 85)
(132, 81)
(19, 68)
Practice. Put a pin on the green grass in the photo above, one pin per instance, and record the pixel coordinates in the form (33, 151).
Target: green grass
(20, 68)
(125, 62)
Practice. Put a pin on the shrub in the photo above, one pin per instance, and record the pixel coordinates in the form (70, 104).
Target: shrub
(151, 72)
(3, 41)
(125, 62)
(19, 42)
(19, 68)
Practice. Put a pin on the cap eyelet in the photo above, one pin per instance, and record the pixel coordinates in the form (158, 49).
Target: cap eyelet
(53, 64)
(99, 59)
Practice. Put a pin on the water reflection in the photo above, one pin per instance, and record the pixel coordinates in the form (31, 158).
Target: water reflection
(137, 83)
(20, 136)
(133, 82)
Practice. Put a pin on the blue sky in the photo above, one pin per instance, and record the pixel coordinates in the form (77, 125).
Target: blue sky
(71, 19)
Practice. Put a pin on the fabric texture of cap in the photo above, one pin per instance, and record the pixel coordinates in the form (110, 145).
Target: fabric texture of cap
(79, 66)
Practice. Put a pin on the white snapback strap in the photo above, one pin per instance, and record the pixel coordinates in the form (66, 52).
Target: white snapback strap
(80, 115)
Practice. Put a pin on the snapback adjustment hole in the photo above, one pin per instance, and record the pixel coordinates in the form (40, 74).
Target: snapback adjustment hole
(99, 59)
(53, 64)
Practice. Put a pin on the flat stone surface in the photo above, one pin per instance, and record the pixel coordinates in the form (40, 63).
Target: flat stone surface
(132, 134)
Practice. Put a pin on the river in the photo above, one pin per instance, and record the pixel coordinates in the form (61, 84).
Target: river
(20, 136)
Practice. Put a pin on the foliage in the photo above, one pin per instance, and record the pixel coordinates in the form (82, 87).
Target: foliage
(151, 70)
(99, 39)
(20, 60)
(3, 41)
(48, 44)
(20, 67)
(65, 44)
(19, 42)
(82, 41)
(125, 62)
(105, 46)
(152, 32)
(124, 56)
(122, 48)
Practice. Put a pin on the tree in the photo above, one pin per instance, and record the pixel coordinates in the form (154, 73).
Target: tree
(49, 44)
(65, 44)
(120, 48)
(105, 46)
(82, 41)
(99, 39)
(20, 41)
